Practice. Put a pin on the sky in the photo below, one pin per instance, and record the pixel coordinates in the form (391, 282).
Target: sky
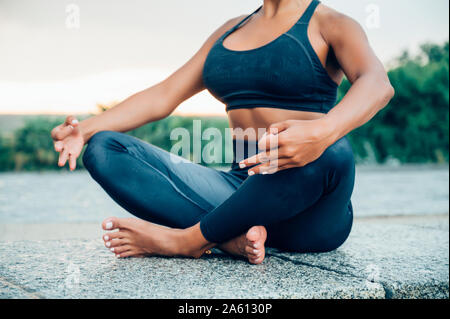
(59, 56)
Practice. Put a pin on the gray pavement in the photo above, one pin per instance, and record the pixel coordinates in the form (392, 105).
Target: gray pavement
(50, 246)
(394, 257)
(56, 197)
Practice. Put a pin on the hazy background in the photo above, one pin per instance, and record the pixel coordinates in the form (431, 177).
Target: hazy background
(80, 57)
(120, 47)
(51, 64)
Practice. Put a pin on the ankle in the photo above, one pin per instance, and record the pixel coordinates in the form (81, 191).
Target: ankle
(175, 242)
(191, 243)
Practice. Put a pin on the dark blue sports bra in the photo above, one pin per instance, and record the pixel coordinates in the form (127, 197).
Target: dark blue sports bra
(286, 73)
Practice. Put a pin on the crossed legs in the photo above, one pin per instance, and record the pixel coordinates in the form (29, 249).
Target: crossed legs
(185, 209)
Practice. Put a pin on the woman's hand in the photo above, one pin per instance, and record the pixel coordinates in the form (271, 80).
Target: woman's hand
(68, 141)
(288, 144)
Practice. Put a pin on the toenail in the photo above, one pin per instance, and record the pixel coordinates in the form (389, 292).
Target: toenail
(112, 249)
(255, 245)
(255, 251)
(109, 225)
(106, 237)
(108, 244)
(118, 256)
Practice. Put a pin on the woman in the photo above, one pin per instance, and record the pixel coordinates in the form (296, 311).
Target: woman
(277, 69)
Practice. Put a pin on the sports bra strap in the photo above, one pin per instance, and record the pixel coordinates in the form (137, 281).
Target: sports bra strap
(244, 20)
(306, 17)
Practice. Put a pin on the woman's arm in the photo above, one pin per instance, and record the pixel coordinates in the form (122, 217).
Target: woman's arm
(158, 101)
(152, 104)
(302, 142)
(371, 89)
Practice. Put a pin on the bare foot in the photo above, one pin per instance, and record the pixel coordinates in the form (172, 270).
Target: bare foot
(249, 245)
(136, 238)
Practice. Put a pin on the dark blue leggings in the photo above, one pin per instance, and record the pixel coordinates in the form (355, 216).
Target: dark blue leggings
(305, 209)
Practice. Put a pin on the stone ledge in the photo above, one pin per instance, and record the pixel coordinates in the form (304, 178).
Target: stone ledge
(404, 257)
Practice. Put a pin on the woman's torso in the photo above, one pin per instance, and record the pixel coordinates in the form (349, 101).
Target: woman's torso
(265, 74)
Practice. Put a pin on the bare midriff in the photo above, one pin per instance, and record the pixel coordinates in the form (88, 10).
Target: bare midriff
(262, 118)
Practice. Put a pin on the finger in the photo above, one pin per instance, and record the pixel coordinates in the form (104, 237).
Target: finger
(287, 166)
(62, 131)
(63, 157)
(72, 162)
(254, 160)
(279, 127)
(59, 146)
(260, 158)
(271, 167)
(268, 141)
(71, 120)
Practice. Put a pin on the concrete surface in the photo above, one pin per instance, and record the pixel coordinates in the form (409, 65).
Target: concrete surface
(397, 257)
(56, 197)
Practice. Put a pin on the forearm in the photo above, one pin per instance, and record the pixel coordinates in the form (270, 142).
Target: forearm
(141, 108)
(367, 96)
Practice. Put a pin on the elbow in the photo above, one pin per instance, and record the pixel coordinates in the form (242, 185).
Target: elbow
(386, 92)
(389, 91)
(161, 111)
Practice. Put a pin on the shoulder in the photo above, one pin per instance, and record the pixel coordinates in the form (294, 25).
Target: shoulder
(215, 36)
(219, 32)
(233, 21)
(227, 25)
(335, 25)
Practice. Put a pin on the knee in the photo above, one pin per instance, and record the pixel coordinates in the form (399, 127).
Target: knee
(98, 149)
(340, 159)
(337, 164)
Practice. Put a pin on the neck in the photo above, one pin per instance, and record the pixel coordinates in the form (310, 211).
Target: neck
(275, 7)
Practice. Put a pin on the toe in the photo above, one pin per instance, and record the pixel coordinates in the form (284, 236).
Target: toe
(121, 249)
(111, 223)
(251, 251)
(129, 253)
(256, 260)
(253, 234)
(113, 235)
(116, 242)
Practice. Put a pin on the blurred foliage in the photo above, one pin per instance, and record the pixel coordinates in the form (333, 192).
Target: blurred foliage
(413, 128)
(30, 147)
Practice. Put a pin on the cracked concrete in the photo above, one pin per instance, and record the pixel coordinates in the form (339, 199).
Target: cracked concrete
(401, 257)
(407, 256)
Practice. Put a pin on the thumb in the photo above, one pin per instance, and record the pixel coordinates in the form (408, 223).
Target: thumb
(71, 121)
(61, 132)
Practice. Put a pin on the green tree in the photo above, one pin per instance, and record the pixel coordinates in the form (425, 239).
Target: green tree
(414, 126)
